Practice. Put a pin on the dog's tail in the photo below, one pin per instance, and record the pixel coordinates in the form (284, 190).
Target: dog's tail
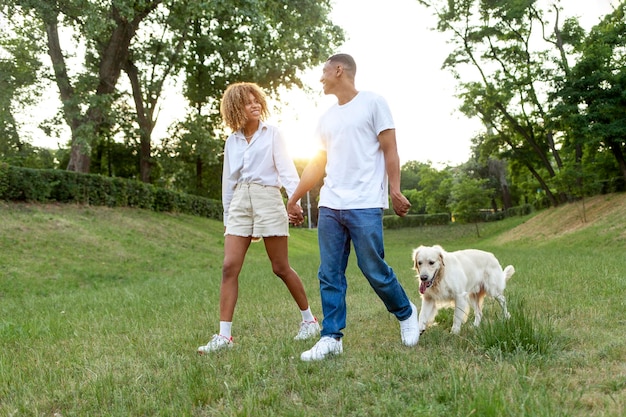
(508, 272)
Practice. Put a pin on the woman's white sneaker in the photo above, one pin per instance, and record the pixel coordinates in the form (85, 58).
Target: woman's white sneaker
(217, 342)
(308, 329)
(324, 347)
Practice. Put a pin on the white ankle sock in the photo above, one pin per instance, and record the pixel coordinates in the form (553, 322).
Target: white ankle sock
(307, 315)
(225, 328)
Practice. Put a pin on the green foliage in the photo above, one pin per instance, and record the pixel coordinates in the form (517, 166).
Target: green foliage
(468, 197)
(32, 185)
(410, 174)
(114, 159)
(541, 134)
(191, 158)
(415, 198)
(209, 43)
(434, 188)
(592, 105)
(4, 178)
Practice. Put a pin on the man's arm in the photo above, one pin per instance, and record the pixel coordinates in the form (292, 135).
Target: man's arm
(312, 174)
(387, 139)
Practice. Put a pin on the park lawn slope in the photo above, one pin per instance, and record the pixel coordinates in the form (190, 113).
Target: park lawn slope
(101, 311)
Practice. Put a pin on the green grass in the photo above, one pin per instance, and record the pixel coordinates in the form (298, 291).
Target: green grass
(101, 311)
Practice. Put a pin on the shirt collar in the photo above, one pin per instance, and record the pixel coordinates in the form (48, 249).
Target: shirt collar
(262, 127)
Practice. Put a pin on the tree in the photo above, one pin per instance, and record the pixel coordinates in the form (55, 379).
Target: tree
(191, 158)
(482, 165)
(593, 102)
(19, 72)
(268, 42)
(435, 189)
(150, 41)
(499, 40)
(467, 197)
(410, 182)
(409, 174)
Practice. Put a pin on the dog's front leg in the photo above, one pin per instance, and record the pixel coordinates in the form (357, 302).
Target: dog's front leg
(427, 314)
(461, 305)
(502, 300)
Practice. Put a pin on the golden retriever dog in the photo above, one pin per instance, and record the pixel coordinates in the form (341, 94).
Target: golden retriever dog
(461, 279)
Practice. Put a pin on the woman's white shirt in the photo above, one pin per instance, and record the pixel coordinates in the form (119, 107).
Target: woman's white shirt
(264, 160)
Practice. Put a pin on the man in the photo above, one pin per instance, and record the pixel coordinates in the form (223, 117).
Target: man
(359, 155)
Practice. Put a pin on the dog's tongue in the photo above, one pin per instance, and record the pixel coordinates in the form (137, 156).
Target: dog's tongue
(423, 287)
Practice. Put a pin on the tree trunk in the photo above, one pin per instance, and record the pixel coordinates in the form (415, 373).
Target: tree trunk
(114, 54)
(146, 124)
(554, 202)
(199, 166)
(507, 201)
(79, 158)
(146, 108)
(528, 137)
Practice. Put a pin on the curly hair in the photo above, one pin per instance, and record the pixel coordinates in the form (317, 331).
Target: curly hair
(234, 100)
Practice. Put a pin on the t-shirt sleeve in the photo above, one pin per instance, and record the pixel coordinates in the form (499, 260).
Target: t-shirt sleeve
(383, 119)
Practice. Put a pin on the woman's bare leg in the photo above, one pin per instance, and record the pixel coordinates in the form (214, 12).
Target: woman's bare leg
(278, 253)
(235, 249)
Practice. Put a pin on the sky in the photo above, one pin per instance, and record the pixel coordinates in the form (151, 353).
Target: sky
(399, 56)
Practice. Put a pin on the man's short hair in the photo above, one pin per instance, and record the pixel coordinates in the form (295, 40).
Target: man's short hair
(348, 63)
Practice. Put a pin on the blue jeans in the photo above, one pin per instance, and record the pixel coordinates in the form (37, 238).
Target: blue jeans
(364, 227)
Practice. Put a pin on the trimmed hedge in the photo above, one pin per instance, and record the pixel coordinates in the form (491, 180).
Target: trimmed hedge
(47, 185)
(415, 220)
(490, 216)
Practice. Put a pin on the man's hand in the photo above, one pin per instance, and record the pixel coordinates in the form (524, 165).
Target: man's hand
(296, 215)
(400, 203)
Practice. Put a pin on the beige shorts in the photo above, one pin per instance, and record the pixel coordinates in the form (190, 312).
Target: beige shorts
(257, 211)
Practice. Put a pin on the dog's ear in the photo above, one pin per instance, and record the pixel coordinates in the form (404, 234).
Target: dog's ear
(415, 252)
(440, 253)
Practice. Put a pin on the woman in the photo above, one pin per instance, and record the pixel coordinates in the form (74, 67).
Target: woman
(256, 166)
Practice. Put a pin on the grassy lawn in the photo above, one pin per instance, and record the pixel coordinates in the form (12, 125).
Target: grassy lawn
(101, 312)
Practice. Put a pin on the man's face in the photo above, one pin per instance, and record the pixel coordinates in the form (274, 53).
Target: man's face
(330, 74)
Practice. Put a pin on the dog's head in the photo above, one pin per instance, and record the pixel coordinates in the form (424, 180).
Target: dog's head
(428, 262)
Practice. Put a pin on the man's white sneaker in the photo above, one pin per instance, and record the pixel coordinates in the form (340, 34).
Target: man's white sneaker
(409, 329)
(324, 347)
(308, 329)
(217, 342)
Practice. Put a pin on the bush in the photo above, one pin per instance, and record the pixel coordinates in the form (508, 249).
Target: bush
(46, 185)
(491, 216)
(4, 178)
(519, 210)
(415, 220)
(391, 221)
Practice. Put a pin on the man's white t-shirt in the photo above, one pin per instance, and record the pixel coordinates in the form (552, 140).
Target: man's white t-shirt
(356, 177)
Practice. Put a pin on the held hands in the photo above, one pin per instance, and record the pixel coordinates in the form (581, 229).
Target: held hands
(296, 216)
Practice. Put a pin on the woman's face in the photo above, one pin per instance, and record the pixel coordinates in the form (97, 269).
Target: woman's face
(253, 108)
